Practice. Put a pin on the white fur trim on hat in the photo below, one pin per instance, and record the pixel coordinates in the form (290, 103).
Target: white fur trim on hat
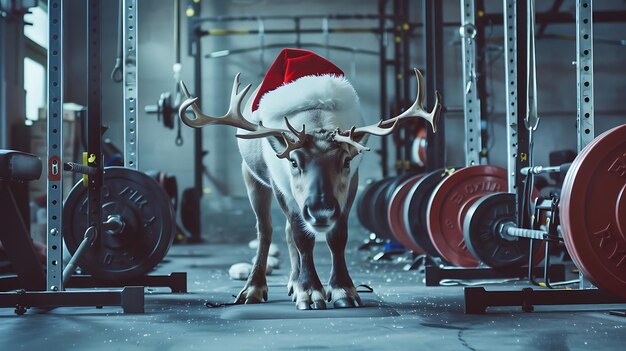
(325, 92)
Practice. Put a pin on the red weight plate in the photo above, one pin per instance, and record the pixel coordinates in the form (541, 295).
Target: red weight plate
(395, 216)
(449, 203)
(593, 211)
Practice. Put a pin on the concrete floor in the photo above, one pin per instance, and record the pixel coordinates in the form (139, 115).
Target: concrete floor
(401, 313)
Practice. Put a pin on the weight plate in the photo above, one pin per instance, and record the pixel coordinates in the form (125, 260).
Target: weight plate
(416, 207)
(168, 183)
(395, 215)
(378, 210)
(593, 211)
(419, 148)
(145, 238)
(449, 204)
(480, 232)
(364, 204)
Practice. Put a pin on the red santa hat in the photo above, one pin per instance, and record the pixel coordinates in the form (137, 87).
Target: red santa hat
(299, 80)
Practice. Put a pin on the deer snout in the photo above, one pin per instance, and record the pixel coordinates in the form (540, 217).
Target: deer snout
(320, 215)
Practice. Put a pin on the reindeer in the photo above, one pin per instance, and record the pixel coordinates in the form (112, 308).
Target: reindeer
(312, 172)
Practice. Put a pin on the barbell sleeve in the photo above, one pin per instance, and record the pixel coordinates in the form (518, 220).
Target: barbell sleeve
(152, 109)
(551, 169)
(540, 170)
(78, 168)
(526, 233)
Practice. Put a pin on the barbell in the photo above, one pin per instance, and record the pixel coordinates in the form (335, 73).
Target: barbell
(137, 227)
(591, 213)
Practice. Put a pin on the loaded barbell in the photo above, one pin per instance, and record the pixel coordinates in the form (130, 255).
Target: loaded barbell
(137, 226)
(590, 218)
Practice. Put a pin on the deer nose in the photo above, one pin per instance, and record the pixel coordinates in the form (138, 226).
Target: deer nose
(319, 215)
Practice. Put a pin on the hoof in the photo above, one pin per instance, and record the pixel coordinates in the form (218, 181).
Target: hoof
(318, 305)
(344, 297)
(303, 305)
(343, 303)
(252, 294)
(252, 300)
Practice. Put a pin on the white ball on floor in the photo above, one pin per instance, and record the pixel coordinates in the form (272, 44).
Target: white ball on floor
(254, 244)
(241, 271)
(273, 251)
(272, 262)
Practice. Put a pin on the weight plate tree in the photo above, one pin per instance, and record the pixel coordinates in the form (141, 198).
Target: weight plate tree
(140, 243)
(450, 202)
(593, 211)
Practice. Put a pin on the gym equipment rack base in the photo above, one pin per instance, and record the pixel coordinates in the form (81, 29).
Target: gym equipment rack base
(433, 275)
(130, 298)
(477, 299)
(177, 282)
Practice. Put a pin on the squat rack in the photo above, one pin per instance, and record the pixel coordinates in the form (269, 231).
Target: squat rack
(131, 296)
(516, 13)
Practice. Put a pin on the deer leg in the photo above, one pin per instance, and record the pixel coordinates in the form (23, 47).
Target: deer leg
(294, 257)
(260, 197)
(308, 290)
(341, 291)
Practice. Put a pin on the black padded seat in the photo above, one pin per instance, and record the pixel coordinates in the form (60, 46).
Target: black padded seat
(19, 166)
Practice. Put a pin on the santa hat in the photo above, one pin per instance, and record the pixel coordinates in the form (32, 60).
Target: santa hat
(301, 80)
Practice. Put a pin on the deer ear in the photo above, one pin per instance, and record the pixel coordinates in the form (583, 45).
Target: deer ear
(277, 143)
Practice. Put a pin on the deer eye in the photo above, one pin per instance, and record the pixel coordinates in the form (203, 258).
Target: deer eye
(294, 164)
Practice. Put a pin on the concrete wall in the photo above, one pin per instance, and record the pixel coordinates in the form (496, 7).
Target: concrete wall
(556, 78)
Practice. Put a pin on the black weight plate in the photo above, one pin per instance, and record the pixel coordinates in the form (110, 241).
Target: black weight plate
(147, 235)
(416, 206)
(385, 200)
(363, 205)
(377, 211)
(480, 231)
(168, 183)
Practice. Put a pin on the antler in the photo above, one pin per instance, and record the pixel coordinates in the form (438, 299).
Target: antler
(235, 118)
(301, 137)
(385, 127)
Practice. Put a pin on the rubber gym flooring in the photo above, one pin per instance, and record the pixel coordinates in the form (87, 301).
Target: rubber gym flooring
(400, 314)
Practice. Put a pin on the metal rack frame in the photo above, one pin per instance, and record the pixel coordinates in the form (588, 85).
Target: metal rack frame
(477, 299)
(130, 293)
